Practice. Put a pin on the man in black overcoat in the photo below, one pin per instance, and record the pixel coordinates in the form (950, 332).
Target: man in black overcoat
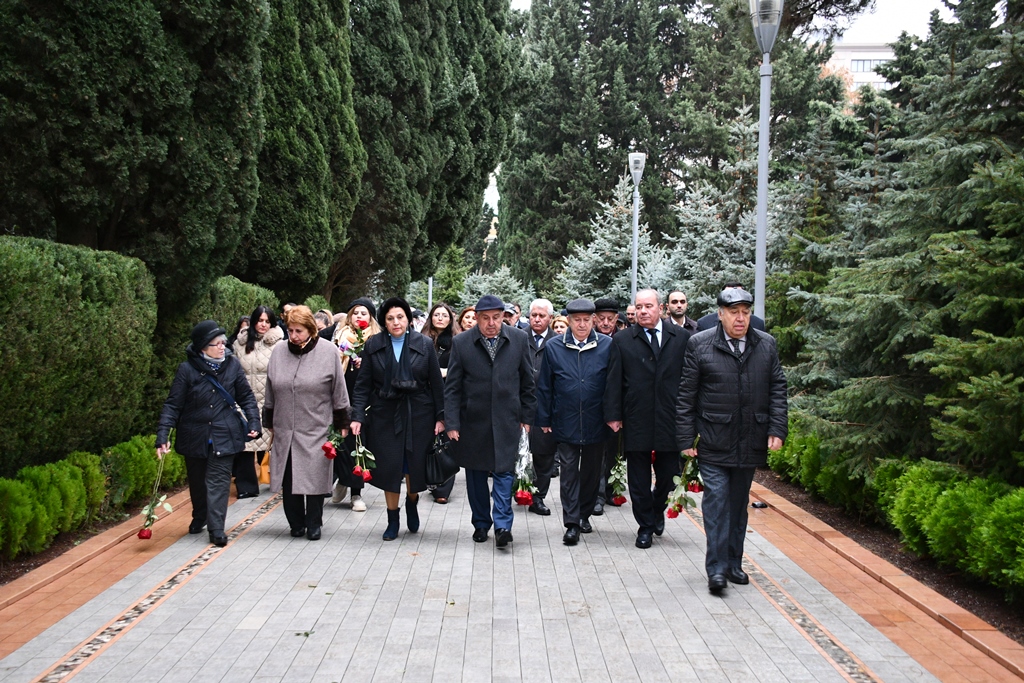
(733, 394)
(488, 399)
(710, 321)
(640, 398)
(542, 445)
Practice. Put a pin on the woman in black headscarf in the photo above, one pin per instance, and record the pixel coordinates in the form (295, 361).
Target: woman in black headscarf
(398, 408)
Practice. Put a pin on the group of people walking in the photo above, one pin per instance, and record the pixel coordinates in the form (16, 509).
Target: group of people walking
(604, 387)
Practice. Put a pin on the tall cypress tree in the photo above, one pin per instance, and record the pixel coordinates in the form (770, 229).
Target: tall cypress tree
(134, 128)
(312, 160)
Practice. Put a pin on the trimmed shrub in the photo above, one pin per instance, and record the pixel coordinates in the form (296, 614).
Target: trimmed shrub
(317, 301)
(46, 496)
(957, 513)
(882, 485)
(17, 508)
(996, 548)
(93, 479)
(917, 491)
(836, 484)
(69, 482)
(62, 384)
(131, 468)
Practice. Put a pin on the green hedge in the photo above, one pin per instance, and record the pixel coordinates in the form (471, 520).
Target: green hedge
(975, 524)
(44, 500)
(77, 325)
(227, 299)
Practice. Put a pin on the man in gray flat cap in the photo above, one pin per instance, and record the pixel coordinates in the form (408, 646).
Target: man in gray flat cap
(733, 394)
(488, 399)
(570, 394)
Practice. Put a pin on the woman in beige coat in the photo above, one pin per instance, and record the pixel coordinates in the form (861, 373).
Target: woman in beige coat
(252, 349)
(305, 394)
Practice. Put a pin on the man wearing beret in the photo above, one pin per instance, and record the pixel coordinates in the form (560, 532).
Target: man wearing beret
(488, 399)
(732, 394)
(643, 382)
(570, 393)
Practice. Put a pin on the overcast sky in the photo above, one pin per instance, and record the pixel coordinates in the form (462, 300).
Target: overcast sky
(883, 25)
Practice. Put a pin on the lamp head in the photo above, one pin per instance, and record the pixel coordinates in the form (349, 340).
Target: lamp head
(637, 161)
(766, 16)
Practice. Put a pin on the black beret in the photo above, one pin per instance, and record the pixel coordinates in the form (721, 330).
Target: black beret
(580, 306)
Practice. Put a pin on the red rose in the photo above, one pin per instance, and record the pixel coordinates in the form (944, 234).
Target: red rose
(145, 534)
(671, 513)
(524, 497)
(329, 451)
(619, 500)
(652, 457)
(695, 487)
(357, 470)
(362, 324)
(367, 476)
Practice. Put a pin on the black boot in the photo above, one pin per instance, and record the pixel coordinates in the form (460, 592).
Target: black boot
(412, 515)
(391, 533)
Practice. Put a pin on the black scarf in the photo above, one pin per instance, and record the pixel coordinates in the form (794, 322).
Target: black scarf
(302, 350)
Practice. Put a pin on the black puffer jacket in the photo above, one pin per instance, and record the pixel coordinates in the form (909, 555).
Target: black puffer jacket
(206, 425)
(735, 404)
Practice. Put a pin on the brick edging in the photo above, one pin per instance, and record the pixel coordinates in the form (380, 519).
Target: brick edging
(972, 629)
(42, 576)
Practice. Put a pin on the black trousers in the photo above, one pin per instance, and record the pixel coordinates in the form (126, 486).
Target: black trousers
(578, 480)
(209, 484)
(243, 469)
(544, 465)
(609, 456)
(302, 512)
(649, 504)
(724, 506)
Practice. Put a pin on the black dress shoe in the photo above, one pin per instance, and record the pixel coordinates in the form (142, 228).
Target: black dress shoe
(598, 508)
(218, 539)
(298, 532)
(737, 576)
(539, 508)
(480, 535)
(659, 526)
(716, 583)
(196, 527)
(643, 539)
(502, 537)
(313, 533)
(572, 535)
(247, 494)
(585, 526)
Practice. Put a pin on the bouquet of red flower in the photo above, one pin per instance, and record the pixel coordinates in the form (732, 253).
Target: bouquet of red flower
(364, 460)
(155, 501)
(688, 482)
(352, 347)
(524, 472)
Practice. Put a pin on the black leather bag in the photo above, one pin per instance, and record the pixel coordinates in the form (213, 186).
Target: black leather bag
(441, 465)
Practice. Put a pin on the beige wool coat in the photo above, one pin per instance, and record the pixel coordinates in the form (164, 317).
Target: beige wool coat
(303, 391)
(255, 366)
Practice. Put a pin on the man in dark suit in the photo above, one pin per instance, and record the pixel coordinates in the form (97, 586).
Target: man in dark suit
(643, 381)
(677, 305)
(606, 322)
(543, 446)
(488, 399)
(710, 321)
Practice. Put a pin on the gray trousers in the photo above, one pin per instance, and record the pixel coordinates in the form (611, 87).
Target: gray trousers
(579, 480)
(726, 494)
(209, 483)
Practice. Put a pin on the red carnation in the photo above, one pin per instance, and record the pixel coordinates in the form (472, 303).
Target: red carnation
(671, 513)
(362, 324)
(357, 470)
(145, 534)
(619, 500)
(367, 476)
(329, 451)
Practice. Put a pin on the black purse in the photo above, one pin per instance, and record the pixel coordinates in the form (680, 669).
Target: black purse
(441, 465)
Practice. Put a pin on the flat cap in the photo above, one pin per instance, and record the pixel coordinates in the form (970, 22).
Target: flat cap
(489, 302)
(580, 306)
(606, 305)
(733, 296)
(509, 308)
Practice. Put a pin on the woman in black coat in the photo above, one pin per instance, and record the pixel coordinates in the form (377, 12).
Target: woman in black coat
(211, 432)
(398, 407)
(441, 328)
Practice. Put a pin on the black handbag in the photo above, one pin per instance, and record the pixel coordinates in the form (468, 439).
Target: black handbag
(441, 465)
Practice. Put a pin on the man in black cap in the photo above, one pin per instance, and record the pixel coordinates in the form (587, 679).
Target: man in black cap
(606, 316)
(643, 381)
(570, 393)
(710, 320)
(732, 394)
(606, 320)
(488, 399)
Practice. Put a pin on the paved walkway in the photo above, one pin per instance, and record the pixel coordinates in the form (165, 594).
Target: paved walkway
(437, 606)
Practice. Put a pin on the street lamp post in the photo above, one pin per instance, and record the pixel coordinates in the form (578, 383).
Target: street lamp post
(766, 16)
(637, 160)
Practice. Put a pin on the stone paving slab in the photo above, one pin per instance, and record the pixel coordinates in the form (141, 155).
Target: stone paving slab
(437, 606)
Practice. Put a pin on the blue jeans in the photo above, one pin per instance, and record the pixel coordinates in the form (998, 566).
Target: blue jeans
(501, 494)
(726, 494)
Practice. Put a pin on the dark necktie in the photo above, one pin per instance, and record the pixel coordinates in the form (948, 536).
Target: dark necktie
(538, 338)
(492, 348)
(736, 346)
(654, 342)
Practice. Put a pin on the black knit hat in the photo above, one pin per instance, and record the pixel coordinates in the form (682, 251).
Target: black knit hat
(204, 333)
(365, 302)
(607, 305)
(394, 302)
